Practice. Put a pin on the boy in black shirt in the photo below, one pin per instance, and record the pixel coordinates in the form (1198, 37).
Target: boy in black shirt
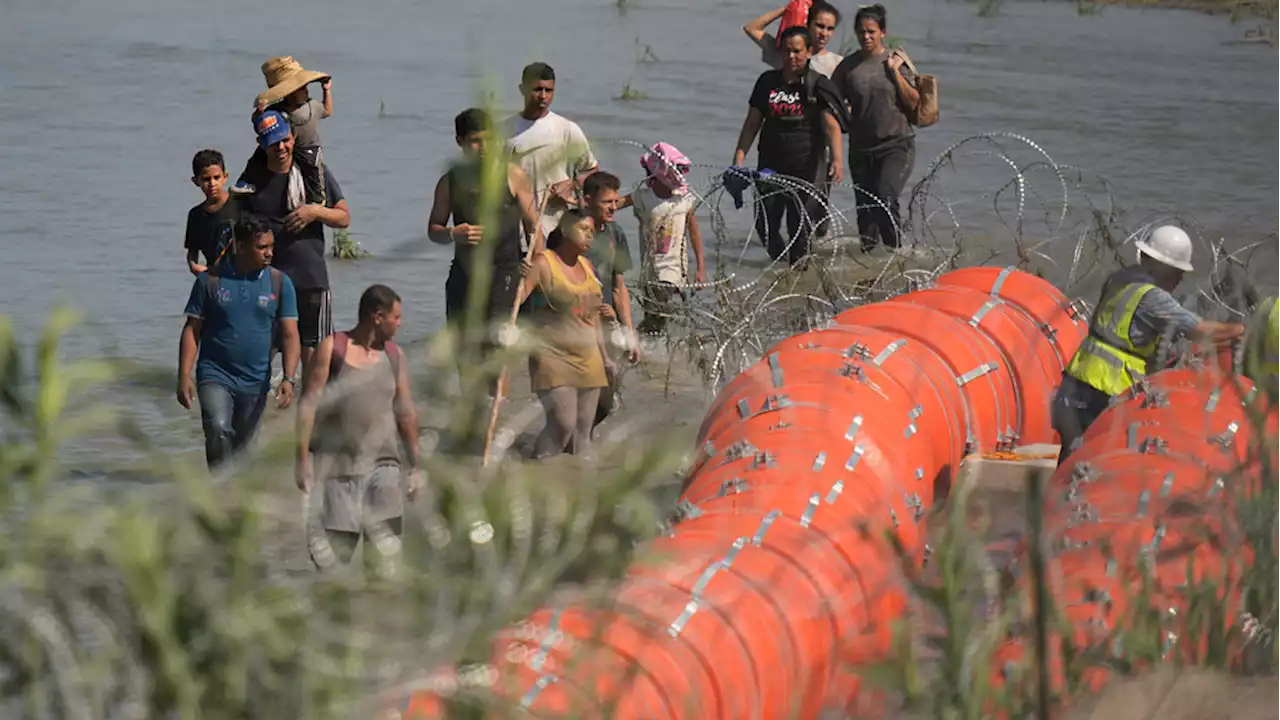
(209, 224)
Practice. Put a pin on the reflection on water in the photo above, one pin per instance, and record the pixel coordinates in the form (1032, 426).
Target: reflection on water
(103, 104)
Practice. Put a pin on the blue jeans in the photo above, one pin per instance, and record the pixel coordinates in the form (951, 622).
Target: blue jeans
(229, 419)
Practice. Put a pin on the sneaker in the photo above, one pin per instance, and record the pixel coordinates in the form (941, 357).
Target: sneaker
(242, 188)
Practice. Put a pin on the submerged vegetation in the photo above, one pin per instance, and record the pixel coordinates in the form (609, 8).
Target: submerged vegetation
(345, 248)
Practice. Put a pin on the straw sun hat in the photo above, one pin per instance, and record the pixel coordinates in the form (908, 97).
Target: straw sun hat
(284, 76)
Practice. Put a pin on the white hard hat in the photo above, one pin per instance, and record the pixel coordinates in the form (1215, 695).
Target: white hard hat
(1168, 245)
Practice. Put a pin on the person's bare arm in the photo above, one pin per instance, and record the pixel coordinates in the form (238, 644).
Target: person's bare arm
(438, 230)
(327, 88)
(695, 239)
(188, 347)
(522, 191)
(755, 29)
(193, 262)
(908, 96)
(407, 413)
(835, 140)
(530, 282)
(290, 353)
(750, 127)
(317, 376)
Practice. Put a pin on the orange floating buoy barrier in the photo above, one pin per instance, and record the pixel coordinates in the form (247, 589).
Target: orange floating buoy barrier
(813, 472)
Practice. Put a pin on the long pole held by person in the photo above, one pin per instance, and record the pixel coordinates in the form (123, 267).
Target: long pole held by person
(501, 390)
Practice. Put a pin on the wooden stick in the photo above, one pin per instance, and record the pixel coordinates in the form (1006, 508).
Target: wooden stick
(501, 388)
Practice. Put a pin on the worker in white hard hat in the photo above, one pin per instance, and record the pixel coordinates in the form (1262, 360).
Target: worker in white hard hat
(1135, 311)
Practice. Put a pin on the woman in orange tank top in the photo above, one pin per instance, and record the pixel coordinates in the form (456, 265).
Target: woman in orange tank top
(568, 365)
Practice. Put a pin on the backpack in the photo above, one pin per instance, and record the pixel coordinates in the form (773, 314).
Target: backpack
(338, 359)
(212, 283)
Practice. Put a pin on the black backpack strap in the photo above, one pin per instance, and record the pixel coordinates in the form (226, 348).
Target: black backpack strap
(811, 85)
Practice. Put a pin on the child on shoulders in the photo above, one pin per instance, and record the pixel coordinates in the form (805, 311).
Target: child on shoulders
(287, 94)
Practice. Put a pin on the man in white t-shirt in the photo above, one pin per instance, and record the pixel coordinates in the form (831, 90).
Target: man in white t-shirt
(823, 19)
(551, 149)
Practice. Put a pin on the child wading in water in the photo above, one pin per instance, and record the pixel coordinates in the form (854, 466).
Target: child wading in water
(287, 94)
(209, 224)
(665, 209)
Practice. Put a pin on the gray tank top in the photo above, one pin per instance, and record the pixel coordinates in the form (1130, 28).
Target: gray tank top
(356, 424)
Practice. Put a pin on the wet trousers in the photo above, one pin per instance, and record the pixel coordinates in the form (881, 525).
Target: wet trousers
(881, 174)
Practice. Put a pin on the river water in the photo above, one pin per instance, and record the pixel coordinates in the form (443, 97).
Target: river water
(103, 104)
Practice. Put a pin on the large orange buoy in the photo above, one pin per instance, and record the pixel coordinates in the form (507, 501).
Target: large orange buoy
(1028, 353)
(981, 370)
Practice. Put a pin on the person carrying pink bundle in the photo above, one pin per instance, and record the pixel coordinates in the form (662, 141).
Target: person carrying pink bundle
(664, 206)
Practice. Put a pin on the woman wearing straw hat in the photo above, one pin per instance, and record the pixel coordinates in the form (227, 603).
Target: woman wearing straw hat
(287, 94)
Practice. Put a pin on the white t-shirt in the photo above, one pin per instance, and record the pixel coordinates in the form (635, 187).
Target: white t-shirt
(825, 62)
(664, 235)
(549, 150)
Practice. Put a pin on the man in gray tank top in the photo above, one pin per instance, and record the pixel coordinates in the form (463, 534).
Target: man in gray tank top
(356, 425)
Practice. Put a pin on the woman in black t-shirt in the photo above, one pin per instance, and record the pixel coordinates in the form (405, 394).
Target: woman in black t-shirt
(797, 113)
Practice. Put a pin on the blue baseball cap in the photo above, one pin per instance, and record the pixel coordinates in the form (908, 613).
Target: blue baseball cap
(272, 127)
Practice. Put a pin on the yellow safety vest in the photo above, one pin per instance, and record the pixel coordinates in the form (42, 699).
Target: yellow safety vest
(1106, 359)
(1260, 345)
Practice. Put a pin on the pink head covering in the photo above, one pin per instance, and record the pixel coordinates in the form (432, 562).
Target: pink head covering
(668, 166)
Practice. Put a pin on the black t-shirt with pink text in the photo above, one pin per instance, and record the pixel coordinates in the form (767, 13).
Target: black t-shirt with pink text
(792, 139)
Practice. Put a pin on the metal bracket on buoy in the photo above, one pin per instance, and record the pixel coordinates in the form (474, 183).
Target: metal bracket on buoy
(1144, 500)
(976, 373)
(819, 461)
(888, 350)
(1153, 446)
(764, 459)
(853, 372)
(854, 426)
(809, 510)
(739, 450)
(857, 350)
(999, 283)
(1155, 399)
(775, 369)
(734, 484)
(981, 313)
(1226, 438)
(686, 510)
(1211, 403)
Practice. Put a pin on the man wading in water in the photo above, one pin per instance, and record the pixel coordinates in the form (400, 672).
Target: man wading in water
(457, 198)
(355, 419)
(551, 148)
(298, 227)
(230, 321)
